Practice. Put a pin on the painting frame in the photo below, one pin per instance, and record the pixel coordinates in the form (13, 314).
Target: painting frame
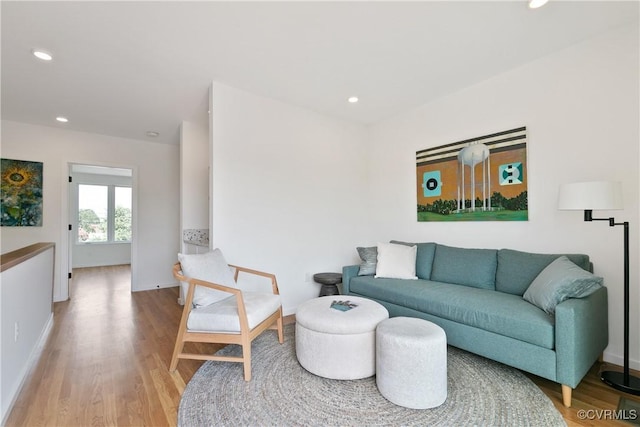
(490, 170)
(21, 193)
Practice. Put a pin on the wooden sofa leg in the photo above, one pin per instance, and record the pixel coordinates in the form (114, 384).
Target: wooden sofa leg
(566, 395)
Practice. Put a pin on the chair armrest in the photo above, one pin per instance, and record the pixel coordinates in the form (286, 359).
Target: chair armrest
(347, 273)
(272, 277)
(197, 282)
(177, 272)
(582, 334)
(237, 293)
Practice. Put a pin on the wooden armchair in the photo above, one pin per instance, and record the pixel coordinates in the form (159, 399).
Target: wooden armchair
(235, 320)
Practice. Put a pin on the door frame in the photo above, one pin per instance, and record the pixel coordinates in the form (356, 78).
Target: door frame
(68, 219)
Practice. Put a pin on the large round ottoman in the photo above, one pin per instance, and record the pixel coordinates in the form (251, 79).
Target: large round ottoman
(411, 362)
(338, 344)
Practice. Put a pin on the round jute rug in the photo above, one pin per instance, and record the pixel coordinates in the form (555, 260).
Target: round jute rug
(481, 392)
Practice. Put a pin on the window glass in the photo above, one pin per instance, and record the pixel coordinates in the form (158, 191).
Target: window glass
(92, 213)
(122, 215)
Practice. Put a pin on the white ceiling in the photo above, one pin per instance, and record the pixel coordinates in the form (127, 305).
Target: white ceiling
(124, 68)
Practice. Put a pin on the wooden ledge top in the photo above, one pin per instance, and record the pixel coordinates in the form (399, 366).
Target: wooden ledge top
(11, 259)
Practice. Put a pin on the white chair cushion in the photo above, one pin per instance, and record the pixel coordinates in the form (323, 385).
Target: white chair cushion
(222, 316)
(211, 267)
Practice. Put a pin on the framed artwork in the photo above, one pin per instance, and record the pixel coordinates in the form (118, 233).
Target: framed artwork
(21, 192)
(478, 179)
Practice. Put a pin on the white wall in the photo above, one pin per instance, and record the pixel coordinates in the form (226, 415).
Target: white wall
(155, 196)
(194, 177)
(581, 109)
(288, 190)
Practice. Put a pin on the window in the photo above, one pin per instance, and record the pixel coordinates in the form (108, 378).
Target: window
(122, 215)
(104, 213)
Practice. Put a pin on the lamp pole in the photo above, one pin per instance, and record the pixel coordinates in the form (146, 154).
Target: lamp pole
(622, 381)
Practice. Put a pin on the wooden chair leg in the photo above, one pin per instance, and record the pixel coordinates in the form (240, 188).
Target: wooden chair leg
(246, 356)
(280, 329)
(566, 395)
(177, 349)
(174, 359)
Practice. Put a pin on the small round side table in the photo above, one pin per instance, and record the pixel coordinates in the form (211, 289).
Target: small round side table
(329, 282)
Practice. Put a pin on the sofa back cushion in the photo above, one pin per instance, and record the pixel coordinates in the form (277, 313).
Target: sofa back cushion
(516, 270)
(424, 257)
(468, 267)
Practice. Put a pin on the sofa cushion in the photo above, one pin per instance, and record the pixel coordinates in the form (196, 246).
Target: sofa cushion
(469, 267)
(516, 270)
(396, 261)
(369, 257)
(497, 312)
(559, 281)
(424, 257)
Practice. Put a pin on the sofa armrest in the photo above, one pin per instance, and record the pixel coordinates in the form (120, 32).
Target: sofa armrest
(582, 334)
(348, 272)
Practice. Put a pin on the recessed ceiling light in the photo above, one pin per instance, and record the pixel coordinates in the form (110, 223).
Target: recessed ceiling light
(153, 134)
(353, 99)
(42, 54)
(534, 4)
(62, 119)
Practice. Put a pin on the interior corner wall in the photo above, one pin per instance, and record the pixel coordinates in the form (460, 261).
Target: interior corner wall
(156, 196)
(194, 177)
(580, 106)
(288, 189)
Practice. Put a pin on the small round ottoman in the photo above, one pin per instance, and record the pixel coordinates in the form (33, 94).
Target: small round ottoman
(338, 344)
(411, 362)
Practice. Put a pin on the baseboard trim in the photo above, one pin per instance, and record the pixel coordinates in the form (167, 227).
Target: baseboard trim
(615, 359)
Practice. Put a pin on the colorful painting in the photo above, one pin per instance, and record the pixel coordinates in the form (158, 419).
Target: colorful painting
(478, 179)
(21, 193)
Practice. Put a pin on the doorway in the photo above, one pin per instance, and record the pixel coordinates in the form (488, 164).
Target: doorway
(101, 229)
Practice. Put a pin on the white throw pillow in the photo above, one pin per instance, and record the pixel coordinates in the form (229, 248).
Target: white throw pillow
(396, 261)
(212, 267)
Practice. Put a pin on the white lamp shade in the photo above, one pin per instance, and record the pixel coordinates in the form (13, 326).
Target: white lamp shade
(594, 195)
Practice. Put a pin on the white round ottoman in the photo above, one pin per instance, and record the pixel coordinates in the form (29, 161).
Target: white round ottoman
(338, 344)
(411, 362)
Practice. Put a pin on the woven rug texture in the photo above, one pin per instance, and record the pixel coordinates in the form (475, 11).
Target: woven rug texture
(481, 392)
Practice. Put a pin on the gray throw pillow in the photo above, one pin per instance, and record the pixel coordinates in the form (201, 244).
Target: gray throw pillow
(369, 258)
(560, 280)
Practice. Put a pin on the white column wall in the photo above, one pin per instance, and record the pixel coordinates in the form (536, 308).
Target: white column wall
(194, 179)
(289, 189)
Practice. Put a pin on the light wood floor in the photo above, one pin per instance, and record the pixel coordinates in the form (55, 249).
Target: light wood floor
(105, 362)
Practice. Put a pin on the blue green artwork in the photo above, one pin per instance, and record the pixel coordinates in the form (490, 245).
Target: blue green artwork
(21, 193)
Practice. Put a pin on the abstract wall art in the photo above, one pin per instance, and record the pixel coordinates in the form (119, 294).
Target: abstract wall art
(20, 193)
(478, 179)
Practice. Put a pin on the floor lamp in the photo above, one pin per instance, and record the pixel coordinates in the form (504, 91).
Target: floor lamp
(602, 195)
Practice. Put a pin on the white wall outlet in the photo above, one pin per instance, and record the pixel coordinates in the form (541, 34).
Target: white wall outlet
(308, 277)
(16, 332)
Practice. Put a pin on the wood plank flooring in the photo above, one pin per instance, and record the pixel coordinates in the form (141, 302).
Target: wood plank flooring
(105, 362)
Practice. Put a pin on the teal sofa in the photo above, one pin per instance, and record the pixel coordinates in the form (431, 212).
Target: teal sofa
(476, 296)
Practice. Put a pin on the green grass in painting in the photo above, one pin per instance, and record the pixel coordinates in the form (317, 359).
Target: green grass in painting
(475, 216)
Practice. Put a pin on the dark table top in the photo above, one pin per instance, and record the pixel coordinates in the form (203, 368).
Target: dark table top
(327, 278)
